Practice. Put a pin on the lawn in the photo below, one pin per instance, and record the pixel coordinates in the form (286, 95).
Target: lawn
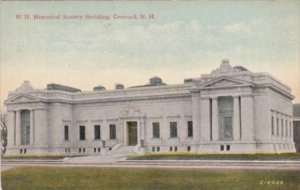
(48, 178)
(192, 156)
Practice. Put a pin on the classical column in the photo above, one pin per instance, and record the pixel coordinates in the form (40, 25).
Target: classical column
(142, 129)
(247, 117)
(205, 117)
(236, 118)
(125, 132)
(279, 126)
(196, 115)
(18, 127)
(215, 119)
(292, 132)
(283, 128)
(291, 138)
(31, 127)
(139, 133)
(121, 123)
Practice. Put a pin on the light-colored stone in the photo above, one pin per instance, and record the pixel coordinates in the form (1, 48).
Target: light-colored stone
(244, 128)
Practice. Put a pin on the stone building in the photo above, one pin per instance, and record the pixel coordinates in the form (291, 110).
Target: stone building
(230, 110)
(296, 121)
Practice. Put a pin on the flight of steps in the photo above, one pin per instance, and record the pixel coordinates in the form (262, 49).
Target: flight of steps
(119, 152)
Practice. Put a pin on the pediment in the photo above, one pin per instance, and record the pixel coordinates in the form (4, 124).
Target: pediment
(225, 82)
(23, 99)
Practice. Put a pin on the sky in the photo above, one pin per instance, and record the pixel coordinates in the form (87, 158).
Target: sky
(181, 40)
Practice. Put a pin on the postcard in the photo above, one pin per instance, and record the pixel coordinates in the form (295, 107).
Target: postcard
(150, 95)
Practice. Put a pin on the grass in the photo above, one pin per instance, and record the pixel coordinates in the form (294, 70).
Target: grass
(192, 156)
(50, 178)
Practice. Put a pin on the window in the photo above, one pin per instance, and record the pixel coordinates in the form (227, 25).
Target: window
(66, 133)
(81, 132)
(272, 125)
(189, 148)
(112, 131)
(190, 129)
(173, 129)
(156, 132)
(222, 148)
(97, 133)
(158, 149)
(227, 147)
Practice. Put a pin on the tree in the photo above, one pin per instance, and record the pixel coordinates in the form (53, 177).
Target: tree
(3, 124)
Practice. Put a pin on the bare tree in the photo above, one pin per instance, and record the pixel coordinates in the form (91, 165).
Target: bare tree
(3, 124)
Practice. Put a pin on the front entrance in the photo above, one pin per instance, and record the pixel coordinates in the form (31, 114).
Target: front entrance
(226, 128)
(132, 133)
(225, 106)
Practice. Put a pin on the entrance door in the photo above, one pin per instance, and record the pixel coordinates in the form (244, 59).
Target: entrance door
(227, 128)
(132, 133)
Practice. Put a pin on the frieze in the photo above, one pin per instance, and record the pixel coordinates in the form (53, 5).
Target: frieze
(173, 116)
(112, 119)
(81, 121)
(155, 117)
(96, 120)
(29, 106)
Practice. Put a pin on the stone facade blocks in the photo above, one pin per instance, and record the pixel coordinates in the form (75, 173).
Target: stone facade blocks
(230, 110)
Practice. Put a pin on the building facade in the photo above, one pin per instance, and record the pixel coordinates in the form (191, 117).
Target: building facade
(230, 110)
(296, 121)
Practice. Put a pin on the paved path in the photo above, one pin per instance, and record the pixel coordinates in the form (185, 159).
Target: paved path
(180, 164)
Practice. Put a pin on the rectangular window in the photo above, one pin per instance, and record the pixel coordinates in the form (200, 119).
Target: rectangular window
(156, 130)
(66, 133)
(272, 125)
(222, 148)
(173, 129)
(81, 132)
(190, 129)
(227, 147)
(112, 131)
(97, 132)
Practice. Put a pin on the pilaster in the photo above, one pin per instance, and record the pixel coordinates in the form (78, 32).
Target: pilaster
(205, 126)
(236, 118)
(247, 116)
